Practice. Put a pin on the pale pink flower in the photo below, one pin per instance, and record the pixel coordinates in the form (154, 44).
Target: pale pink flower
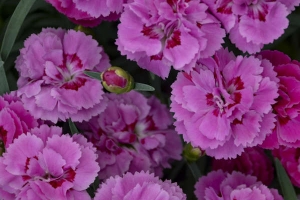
(14, 119)
(89, 12)
(287, 107)
(132, 134)
(225, 104)
(138, 186)
(221, 185)
(52, 84)
(159, 34)
(251, 23)
(253, 161)
(44, 164)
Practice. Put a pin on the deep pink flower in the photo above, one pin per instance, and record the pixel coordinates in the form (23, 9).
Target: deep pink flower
(159, 34)
(253, 161)
(133, 134)
(137, 186)
(252, 23)
(290, 159)
(287, 107)
(14, 119)
(44, 164)
(89, 12)
(220, 185)
(52, 84)
(225, 104)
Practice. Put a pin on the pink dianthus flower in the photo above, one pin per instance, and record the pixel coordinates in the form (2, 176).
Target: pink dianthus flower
(52, 84)
(253, 161)
(225, 104)
(44, 164)
(287, 107)
(159, 34)
(252, 23)
(89, 12)
(14, 119)
(137, 186)
(132, 134)
(220, 185)
(290, 159)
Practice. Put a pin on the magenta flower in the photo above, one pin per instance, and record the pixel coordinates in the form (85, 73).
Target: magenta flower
(14, 119)
(290, 159)
(44, 164)
(253, 161)
(89, 12)
(137, 186)
(250, 23)
(225, 104)
(159, 34)
(133, 134)
(52, 84)
(220, 185)
(287, 107)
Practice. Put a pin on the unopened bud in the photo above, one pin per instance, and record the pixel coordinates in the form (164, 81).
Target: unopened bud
(191, 153)
(85, 30)
(117, 80)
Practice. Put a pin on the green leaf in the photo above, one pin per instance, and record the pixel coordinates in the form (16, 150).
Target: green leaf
(284, 181)
(3, 80)
(143, 87)
(73, 127)
(95, 75)
(14, 26)
(194, 169)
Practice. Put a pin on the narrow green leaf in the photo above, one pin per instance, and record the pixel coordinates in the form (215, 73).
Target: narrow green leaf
(95, 75)
(14, 26)
(194, 169)
(284, 181)
(73, 127)
(3, 80)
(143, 87)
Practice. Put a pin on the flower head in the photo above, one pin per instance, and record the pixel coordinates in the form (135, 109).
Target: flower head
(89, 12)
(289, 157)
(133, 134)
(252, 23)
(253, 161)
(160, 34)
(218, 106)
(221, 185)
(28, 169)
(52, 84)
(14, 119)
(142, 185)
(287, 106)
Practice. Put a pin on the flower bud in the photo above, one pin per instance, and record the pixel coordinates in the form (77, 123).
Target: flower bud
(117, 80)
(192, 154)
(85, 30)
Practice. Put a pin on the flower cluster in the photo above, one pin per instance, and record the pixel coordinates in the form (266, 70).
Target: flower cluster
(133, 134)
(221, 185)
(28, 170)
(52, 84)
(227, 91)
(160, 34)
(253, 161)
(142, 185)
